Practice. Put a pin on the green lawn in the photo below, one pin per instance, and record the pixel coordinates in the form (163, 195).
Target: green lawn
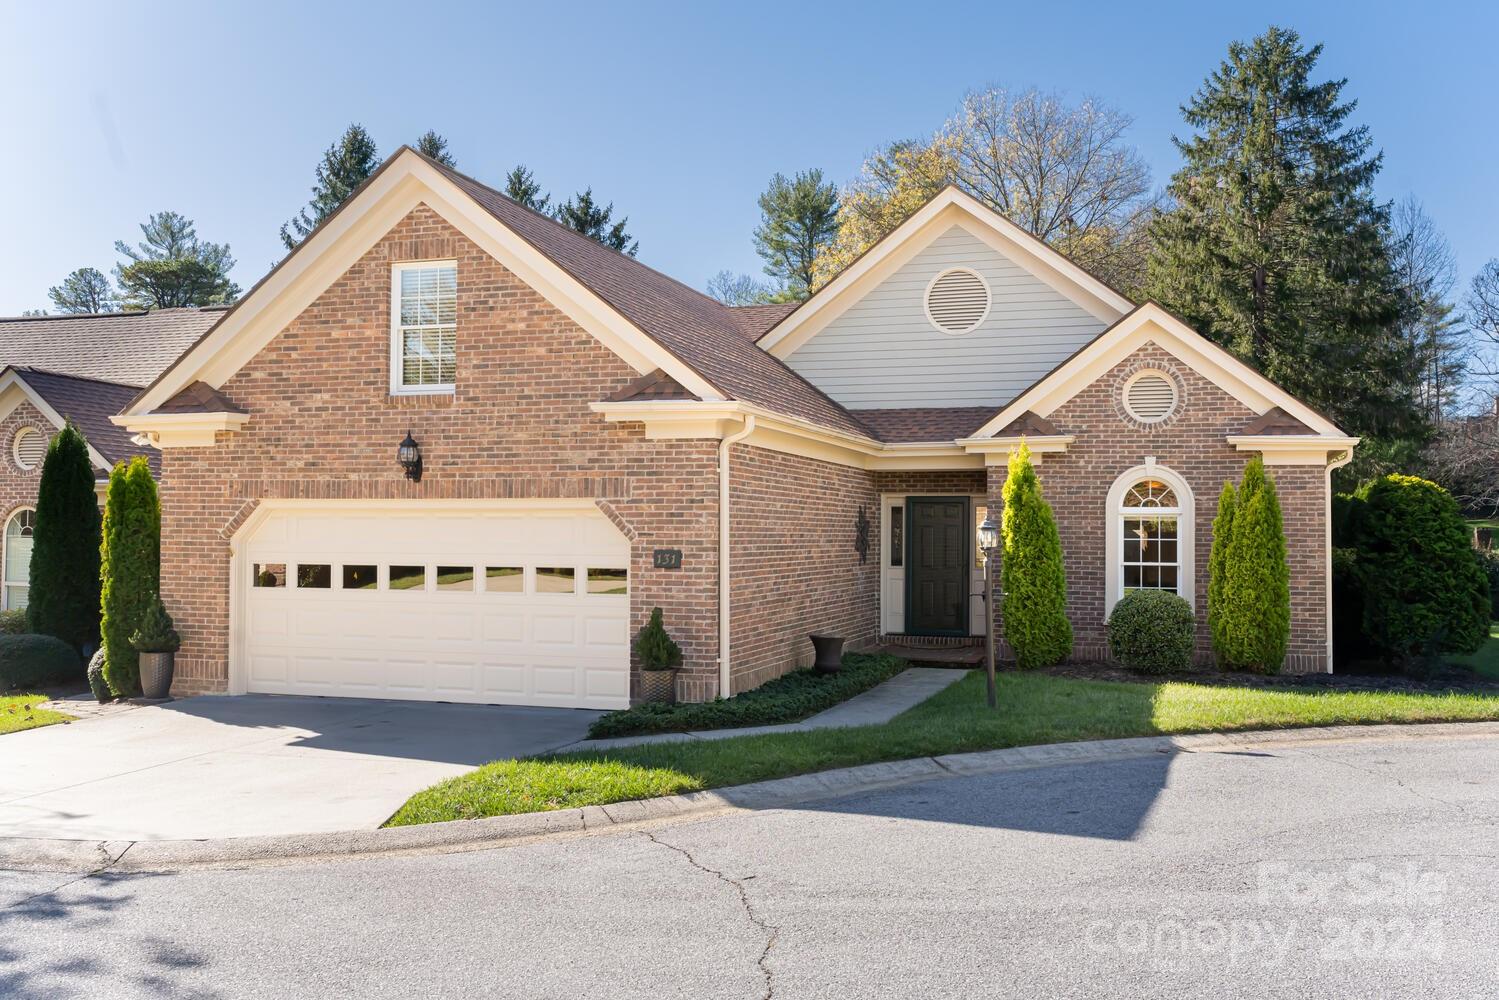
(1034, 708)
(1485, 662)
(19, 711)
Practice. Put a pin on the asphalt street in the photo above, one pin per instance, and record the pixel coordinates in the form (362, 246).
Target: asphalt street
(1347, 869)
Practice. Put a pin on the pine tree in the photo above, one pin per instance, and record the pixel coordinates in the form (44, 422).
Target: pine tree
(64, 594)
(1034, 581)
(1255, 582)
(520, 185)
(435, 147)
(1275, 247)
(130, 568)
(172, 267)
(585, 215)
(86, 290)
(346, 164)
(1223, 526)
(798, 219)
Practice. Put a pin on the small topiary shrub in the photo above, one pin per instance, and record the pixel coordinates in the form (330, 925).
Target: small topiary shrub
(1035, 583)
(13, 622)
(28, 661)
(1152, 631)
(96, 681)
(656, 649)
(157, 633)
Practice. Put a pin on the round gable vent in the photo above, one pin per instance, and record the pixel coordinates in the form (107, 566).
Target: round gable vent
(1150, 397)
(29, 448)
(957, 300)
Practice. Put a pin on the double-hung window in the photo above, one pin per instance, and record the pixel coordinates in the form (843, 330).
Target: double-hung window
(424, 327)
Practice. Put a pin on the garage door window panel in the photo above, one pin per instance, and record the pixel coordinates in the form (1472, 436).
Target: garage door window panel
(361, 576)
(268, 575)
(505, 579)
(614, 582)
(455, 578)
(407, 578)
(556, 580)
(314, 576)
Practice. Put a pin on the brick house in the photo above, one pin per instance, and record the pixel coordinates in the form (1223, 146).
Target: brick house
(80, 368)
(596, 439)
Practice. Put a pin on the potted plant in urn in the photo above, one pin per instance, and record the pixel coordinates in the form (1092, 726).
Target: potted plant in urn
(157, 642)
(659, 659)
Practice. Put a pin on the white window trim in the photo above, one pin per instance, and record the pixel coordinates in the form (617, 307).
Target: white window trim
(7, 586)
(1137, 376)
(926, 301)
(396, 341)
(1186, 546)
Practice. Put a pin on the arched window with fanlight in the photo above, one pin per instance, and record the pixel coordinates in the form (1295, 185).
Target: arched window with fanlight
(17, 574)
(1150, 535)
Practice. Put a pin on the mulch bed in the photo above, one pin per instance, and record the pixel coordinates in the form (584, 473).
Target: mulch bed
(1450, 679)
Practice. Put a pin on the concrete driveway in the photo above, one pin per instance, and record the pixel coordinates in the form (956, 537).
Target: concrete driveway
(254, 764)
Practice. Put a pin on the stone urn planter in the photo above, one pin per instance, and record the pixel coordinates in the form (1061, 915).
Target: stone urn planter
(156, 675)
(659, 659)
(829, 652)
(157, 643)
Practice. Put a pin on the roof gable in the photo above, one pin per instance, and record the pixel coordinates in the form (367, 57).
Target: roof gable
(1151, 323)
(949, 207)
(88, 403)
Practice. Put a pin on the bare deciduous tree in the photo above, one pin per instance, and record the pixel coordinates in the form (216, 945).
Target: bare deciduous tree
(1426, 269)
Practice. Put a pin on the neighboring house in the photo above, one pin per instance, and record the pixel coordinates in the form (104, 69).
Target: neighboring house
(79, 368)
(597, 439)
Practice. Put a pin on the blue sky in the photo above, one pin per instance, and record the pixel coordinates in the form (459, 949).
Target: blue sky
(677, 113)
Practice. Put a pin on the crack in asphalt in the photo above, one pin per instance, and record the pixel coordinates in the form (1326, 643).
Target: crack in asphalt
(772, 931)
(108, 864)
(1387, 776)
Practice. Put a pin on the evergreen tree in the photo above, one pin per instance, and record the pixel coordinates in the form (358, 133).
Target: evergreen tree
(521, 186)
(1223, 526)
(84, 291)
(345, 165)
(436, 147)
(1254, 581)
(798, 219)
(1034, 581)
(172, 267)
(585, 215)
(64, 595)
(1275, 247)
(130, 568)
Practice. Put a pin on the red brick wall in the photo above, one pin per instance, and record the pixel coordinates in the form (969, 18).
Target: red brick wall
(794, 568)
(323, 425)
(17, 485)
(1192, 445)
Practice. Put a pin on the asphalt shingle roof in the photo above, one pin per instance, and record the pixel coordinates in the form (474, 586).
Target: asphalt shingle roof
(128, 348)
(89, 403)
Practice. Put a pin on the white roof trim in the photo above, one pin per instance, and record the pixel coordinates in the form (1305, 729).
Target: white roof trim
(949, 207)
(9, 400)
(407, 181)
(1150, 323)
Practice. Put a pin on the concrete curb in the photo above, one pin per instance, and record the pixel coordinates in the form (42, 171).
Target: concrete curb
(92, 856)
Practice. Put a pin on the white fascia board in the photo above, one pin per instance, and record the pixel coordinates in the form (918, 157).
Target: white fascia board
(180, 430)
(948, 208)
(316, 264)
(1294, 449)
(1152, 324)
(14, 388)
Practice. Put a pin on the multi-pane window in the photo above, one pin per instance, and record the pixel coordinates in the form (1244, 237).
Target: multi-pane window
(1151, 556)
(17, 577)
(425, 302)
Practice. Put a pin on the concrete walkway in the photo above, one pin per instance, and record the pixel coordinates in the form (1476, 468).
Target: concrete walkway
(874, 707)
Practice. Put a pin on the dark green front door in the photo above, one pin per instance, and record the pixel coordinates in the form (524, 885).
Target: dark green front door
(938, 533)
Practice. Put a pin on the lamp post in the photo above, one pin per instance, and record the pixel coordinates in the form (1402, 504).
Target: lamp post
(989, 542)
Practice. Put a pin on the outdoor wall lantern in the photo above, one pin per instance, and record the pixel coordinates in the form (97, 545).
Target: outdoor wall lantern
(409, 454)
(989, 542)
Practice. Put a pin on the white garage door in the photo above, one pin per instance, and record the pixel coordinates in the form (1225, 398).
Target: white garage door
(526, 607)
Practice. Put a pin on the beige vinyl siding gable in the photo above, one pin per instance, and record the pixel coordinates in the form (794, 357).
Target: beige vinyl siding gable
(884, 353)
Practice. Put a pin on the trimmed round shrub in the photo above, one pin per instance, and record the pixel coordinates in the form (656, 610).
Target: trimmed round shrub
(13, 622)
(1423, 591)
(1152, 631)
(30, 660)
(96, 679)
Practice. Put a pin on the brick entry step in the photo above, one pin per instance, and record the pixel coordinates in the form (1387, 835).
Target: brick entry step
(931, 656)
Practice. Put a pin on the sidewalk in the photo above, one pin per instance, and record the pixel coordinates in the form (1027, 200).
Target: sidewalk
(874, 707)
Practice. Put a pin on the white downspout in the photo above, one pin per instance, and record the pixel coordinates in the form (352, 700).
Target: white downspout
(723, 550)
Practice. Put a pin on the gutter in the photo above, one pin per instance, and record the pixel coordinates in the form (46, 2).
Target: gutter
(745, 430)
